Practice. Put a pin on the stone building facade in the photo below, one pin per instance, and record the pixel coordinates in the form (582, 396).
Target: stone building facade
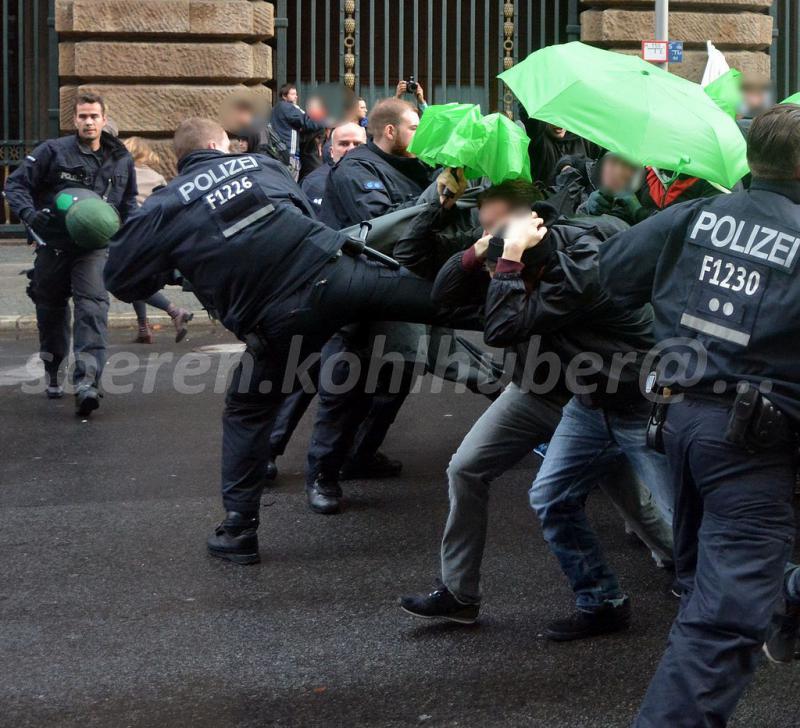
(158, 61)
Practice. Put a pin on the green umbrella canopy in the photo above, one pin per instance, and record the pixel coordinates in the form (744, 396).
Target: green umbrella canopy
(631, 107)
(726, 91)
(491, 146)
(436, 126)
(793, 99)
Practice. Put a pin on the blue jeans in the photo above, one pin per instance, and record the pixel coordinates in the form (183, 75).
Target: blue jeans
(585, 446)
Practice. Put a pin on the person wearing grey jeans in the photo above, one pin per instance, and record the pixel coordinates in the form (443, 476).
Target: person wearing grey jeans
(507, 431)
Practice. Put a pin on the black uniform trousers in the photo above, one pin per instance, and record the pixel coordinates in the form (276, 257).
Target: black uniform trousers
(347, 289)
(734, 527)
(57, 276)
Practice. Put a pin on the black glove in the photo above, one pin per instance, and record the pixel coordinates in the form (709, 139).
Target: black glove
(598, 203)
(38, 221)
(627, 207)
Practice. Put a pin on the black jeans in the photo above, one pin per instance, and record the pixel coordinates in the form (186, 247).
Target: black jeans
(734, 527)
(57, 276)
(348, 289)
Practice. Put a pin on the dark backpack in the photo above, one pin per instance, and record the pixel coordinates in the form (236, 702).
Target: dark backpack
(271, 145)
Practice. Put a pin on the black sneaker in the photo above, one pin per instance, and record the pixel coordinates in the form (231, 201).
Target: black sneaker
(236, 539)
(582, 624)
(324, 497)
(440, 604)
(375, 467)
(87, 400)
(271, 471)
(54, 391)
(781, 644)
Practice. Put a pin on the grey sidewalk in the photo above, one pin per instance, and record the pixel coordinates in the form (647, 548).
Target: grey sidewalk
(17, 310)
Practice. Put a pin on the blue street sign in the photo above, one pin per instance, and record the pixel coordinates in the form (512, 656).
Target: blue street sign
(676, 51)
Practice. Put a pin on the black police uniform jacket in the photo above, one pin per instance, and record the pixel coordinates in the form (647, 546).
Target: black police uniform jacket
(60, 163)
(558, 306)
(367, 183)
(235, 225)
(721, 274)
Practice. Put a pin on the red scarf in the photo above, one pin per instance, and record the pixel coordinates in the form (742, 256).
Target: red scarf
(664, 198)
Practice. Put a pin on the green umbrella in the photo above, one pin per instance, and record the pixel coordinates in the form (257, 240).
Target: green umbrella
(631, 107)
(491, 146)
(793, 99)
(726, 91)
(436, 126)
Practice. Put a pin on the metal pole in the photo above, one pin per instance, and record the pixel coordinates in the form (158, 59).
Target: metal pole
(662, 24)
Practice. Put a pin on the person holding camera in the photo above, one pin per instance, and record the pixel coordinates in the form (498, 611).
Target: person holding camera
(414, 88)
(90, 158)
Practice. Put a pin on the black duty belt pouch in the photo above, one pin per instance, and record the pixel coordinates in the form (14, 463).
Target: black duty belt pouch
(756, 423)
(658, 414)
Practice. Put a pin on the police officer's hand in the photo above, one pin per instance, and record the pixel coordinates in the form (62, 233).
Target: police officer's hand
(38, 221)
(521, 234)
(450, 185)
(598, 203)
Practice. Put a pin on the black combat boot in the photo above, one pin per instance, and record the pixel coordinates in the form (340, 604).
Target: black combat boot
(271, 471)
(324, 497)
(375, 467)
(236, 538)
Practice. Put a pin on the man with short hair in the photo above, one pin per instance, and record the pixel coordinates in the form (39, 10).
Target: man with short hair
(344, 137)
(92, 159)
(241, 231)
(370, 181)
(290, 122)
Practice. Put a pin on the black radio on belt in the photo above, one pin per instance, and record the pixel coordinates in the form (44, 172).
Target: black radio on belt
(658, 415)
(755, 422)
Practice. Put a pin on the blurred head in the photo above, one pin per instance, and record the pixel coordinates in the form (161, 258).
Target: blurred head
(90, 117)
(617, 175)
(346, 137)
(499, 202)
(362, 109)
(288, 92)
(141, 151)
(198, 133)
(392, 124)
(238, 112)
(315, 108)
(773, 144)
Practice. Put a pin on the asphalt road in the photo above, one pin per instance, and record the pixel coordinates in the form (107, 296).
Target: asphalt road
(111, 614)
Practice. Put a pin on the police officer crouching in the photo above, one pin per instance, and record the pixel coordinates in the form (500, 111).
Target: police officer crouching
(97, 161)
(721, 274)
(241, 231)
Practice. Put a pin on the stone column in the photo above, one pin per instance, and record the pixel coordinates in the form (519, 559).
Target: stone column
(157, 62)
(741, 29)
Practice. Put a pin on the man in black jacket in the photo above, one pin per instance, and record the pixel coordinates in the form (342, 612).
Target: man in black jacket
(96, 160)
(372, 180)
(543, 300)
(290, 123)
(239, 228)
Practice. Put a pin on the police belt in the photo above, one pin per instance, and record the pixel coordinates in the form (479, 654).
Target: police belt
(755, 422)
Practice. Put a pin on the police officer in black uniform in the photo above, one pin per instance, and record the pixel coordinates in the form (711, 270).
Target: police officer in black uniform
(96, 160)
(722, 276)
(239, 228)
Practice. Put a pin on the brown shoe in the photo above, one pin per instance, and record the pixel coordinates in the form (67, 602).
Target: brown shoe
(144, 335)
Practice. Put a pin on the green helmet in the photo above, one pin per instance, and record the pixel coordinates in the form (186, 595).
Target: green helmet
(69, 196)
(91, 222)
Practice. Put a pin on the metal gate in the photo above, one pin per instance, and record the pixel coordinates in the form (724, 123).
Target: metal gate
(454, 48)
(29, 83)
(785, 51)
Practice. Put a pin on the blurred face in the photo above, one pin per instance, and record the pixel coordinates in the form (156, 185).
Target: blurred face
(401, 135)
(362, 109)
(90, 122)
(493, 214)
(616, 175)
(345, 138)
(292, 96)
